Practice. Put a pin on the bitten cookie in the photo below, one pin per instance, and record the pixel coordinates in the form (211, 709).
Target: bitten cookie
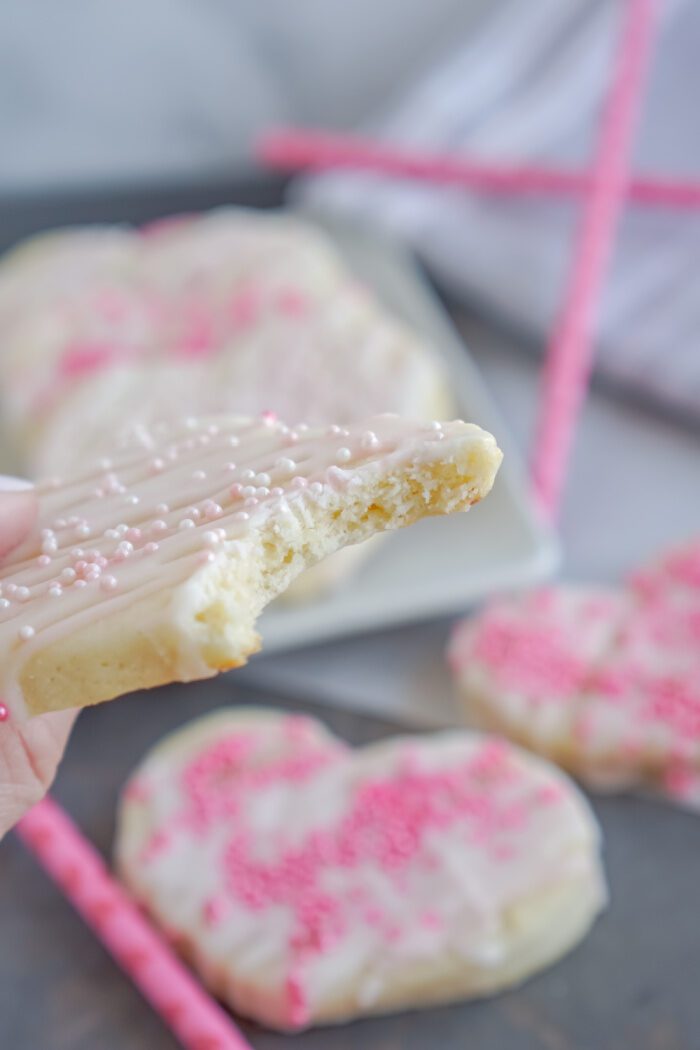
(310, 883)
(153, 566)
(605, 682)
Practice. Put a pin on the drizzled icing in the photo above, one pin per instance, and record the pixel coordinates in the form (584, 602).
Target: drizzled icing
(318, 868)
(178, 501)
(625, 684)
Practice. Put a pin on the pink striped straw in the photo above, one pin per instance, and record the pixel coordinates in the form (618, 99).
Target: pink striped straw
(297, 149)
(569, 355)
(197, 1021)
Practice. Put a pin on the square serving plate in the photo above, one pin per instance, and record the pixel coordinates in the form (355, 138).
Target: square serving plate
(438, 566)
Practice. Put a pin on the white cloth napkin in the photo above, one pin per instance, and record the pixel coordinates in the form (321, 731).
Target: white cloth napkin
(527, 85)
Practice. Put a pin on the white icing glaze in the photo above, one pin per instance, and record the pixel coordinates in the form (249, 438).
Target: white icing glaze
(341, 360)
(311, 874)
(526, 658)
(132, 294)
(605, 681)
(177, 499)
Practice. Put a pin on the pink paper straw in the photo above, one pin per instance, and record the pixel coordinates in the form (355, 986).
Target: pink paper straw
(77, 868)
(570, 351)
(296, 149)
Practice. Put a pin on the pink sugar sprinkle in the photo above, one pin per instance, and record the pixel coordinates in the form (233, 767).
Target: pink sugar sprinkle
(158, 841)
(503, 851)
(543, 600)
(431, 919)
(292, 302)
(680, 781)
(205, 778)
(244, 308)
(392, 932)
(386, 825)
(81, 358)
(528, 656)
(214, 910)
(297, 1007)
(490, 758)
(612, 683)
(513, 816)
(112, 304)
(374, 915)
(684, 566)
(4, 713)
(647, 584)
(550, 794)
(676, 703)
(198, 338)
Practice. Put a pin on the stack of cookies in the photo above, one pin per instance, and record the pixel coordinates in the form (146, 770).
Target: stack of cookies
(106, 329)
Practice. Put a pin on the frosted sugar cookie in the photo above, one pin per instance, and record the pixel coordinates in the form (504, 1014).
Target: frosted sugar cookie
(153, 565)
(640, 719)
(85, 298)
(310, 883)
(605, 682)
(326, 362)
(523, 663)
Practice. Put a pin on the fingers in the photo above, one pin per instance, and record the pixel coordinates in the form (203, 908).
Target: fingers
(29, 757)
(18, 511)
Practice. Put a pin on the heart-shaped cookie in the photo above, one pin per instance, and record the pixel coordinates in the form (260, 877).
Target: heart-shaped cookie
(605, 682)
(309, 883)
(230, 311)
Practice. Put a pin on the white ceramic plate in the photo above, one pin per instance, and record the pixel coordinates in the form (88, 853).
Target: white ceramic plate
(439, 566)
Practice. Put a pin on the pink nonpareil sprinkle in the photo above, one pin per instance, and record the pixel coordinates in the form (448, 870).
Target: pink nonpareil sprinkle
(80, 359)
(244, 308)
(537, 659)
(198, 336)
(292, 302)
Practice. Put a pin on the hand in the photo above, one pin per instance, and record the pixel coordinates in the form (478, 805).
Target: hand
(30, 753)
